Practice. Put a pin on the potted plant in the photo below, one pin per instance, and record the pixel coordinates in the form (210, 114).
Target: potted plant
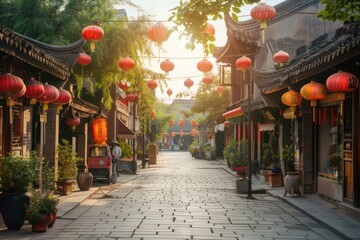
(16, 175)
(231, 153)
(84, 178)
(67, 171)
(40, 212)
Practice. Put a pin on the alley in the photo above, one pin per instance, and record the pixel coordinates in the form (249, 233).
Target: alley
(179, 198)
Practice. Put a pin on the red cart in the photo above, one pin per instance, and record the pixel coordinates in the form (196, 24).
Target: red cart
(100, 163)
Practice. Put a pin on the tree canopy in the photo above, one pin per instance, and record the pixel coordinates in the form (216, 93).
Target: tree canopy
(343, 10)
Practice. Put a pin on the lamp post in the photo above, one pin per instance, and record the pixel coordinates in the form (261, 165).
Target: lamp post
(134, 163)
(249, 196)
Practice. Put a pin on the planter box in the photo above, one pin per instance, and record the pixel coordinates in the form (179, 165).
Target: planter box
(242, 185)
(275, 180)
(152, 152)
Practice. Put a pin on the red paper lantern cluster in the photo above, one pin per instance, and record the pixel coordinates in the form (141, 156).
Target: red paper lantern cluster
(188, 83)
(263, 13)
(99, 130)
(92, 33)
(84, 59)
(64, 98)
(243, 63)
(50, 95)
(281, 57)
(204, 65)
(167, 65)
(158, 33)
(313, 92)
(11, 85)
(126, 64)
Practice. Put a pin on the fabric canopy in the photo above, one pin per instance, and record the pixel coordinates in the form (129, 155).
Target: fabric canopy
(233, 113)
(123, 131)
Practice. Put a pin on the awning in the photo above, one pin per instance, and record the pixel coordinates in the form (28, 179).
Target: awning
(123, 131)
(233, 113)
(267, 127)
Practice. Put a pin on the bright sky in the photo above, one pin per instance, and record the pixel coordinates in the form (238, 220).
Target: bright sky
(174, 48)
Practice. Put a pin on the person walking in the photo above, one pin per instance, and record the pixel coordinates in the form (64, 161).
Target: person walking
(116, 154)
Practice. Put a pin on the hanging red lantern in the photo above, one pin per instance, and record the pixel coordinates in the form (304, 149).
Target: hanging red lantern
(181, 122)
(341, 83)
(64, 98)
(132, 97)
(193, 132)
(152, 84)
(21, 93)
(152, 114)
(158, 33)
(292, 99)
(227, 124)
(188, 83)
(171, 122)
(281, 57)
(207, 80)
(50, 95)
(313, 92)
(167, 65)
(204, 66)
(169, 92)
(124, 85)
(34, 89)
(84, 59)
(99, 130)
(209, 29)
(243, 63)
(72, 122)
(263, 12)
(220, 90)
(173, 134)
(126, 64)
(92, 33)
(10, 86)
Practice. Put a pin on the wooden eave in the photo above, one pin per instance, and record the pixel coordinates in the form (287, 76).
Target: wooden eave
(84, 106)
(55, 60)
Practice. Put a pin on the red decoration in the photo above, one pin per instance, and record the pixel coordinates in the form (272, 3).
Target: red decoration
(21, 93)
(126, 64)
(313, 91)
(181, 122)
(99, 130)
(92, 33)
(207, 80)
(209, 29)
(158, 33)
(72, 122)
(188, 83)
(193, 122)
(152, 84)
(281, 57)
(171, 122)
(169, 92)
(220, 90)
(243, 63)
(50, 95)
(227, 123)
(64, 98)
(34, 89)
(173, 134)
(204, 65)
(292, 99)
(342, 82)
(124, 85)
(10, 85)
(84, 59)
(152, 114)
(233, 113)
(132, 97)
(167, 65)
(263, 13)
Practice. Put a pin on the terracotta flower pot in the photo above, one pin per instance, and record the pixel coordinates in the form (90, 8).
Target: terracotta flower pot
(53, 219)
(42, 225)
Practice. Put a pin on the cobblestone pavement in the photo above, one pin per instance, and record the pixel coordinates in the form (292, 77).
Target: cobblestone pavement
(179, 198)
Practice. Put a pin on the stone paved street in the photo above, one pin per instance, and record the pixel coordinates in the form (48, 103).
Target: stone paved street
(179, 198)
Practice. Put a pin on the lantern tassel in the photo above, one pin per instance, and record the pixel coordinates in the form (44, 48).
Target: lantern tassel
(341, 108)
(92, 46)
(33, 101)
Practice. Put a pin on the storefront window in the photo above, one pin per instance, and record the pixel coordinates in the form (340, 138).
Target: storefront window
(329, 142)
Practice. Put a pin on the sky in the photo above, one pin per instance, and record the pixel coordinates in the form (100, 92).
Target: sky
(174, 48)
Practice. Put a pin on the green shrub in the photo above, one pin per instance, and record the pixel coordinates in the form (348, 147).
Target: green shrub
(126, 149)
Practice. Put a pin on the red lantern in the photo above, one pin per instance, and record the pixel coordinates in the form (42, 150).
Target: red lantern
(193, 132)
(84, 59)
(50, 95)
(152, 114)
(209, 29)
(126, 64)
(243, 63)
(207, 80)
(173, 134)
(204, 65)
(169, 92)
(220, 90)
(181, 122)
(188, 83)
(132, 97)
(291, 98)
(313, 91)
(152, 84)
(92, 33)
(10, 86)
(72, 122)
(342, 82)
(21, 93)
(158, 33)
(171, 122)
(263, 13)
(281, 57)
(99, 130)
(64, 98)
(34, 89)
(167, 65)
(227, 124)
(193, 122)
(124, 85)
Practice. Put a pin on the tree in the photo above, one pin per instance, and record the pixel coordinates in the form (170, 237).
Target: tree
(343, 10)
